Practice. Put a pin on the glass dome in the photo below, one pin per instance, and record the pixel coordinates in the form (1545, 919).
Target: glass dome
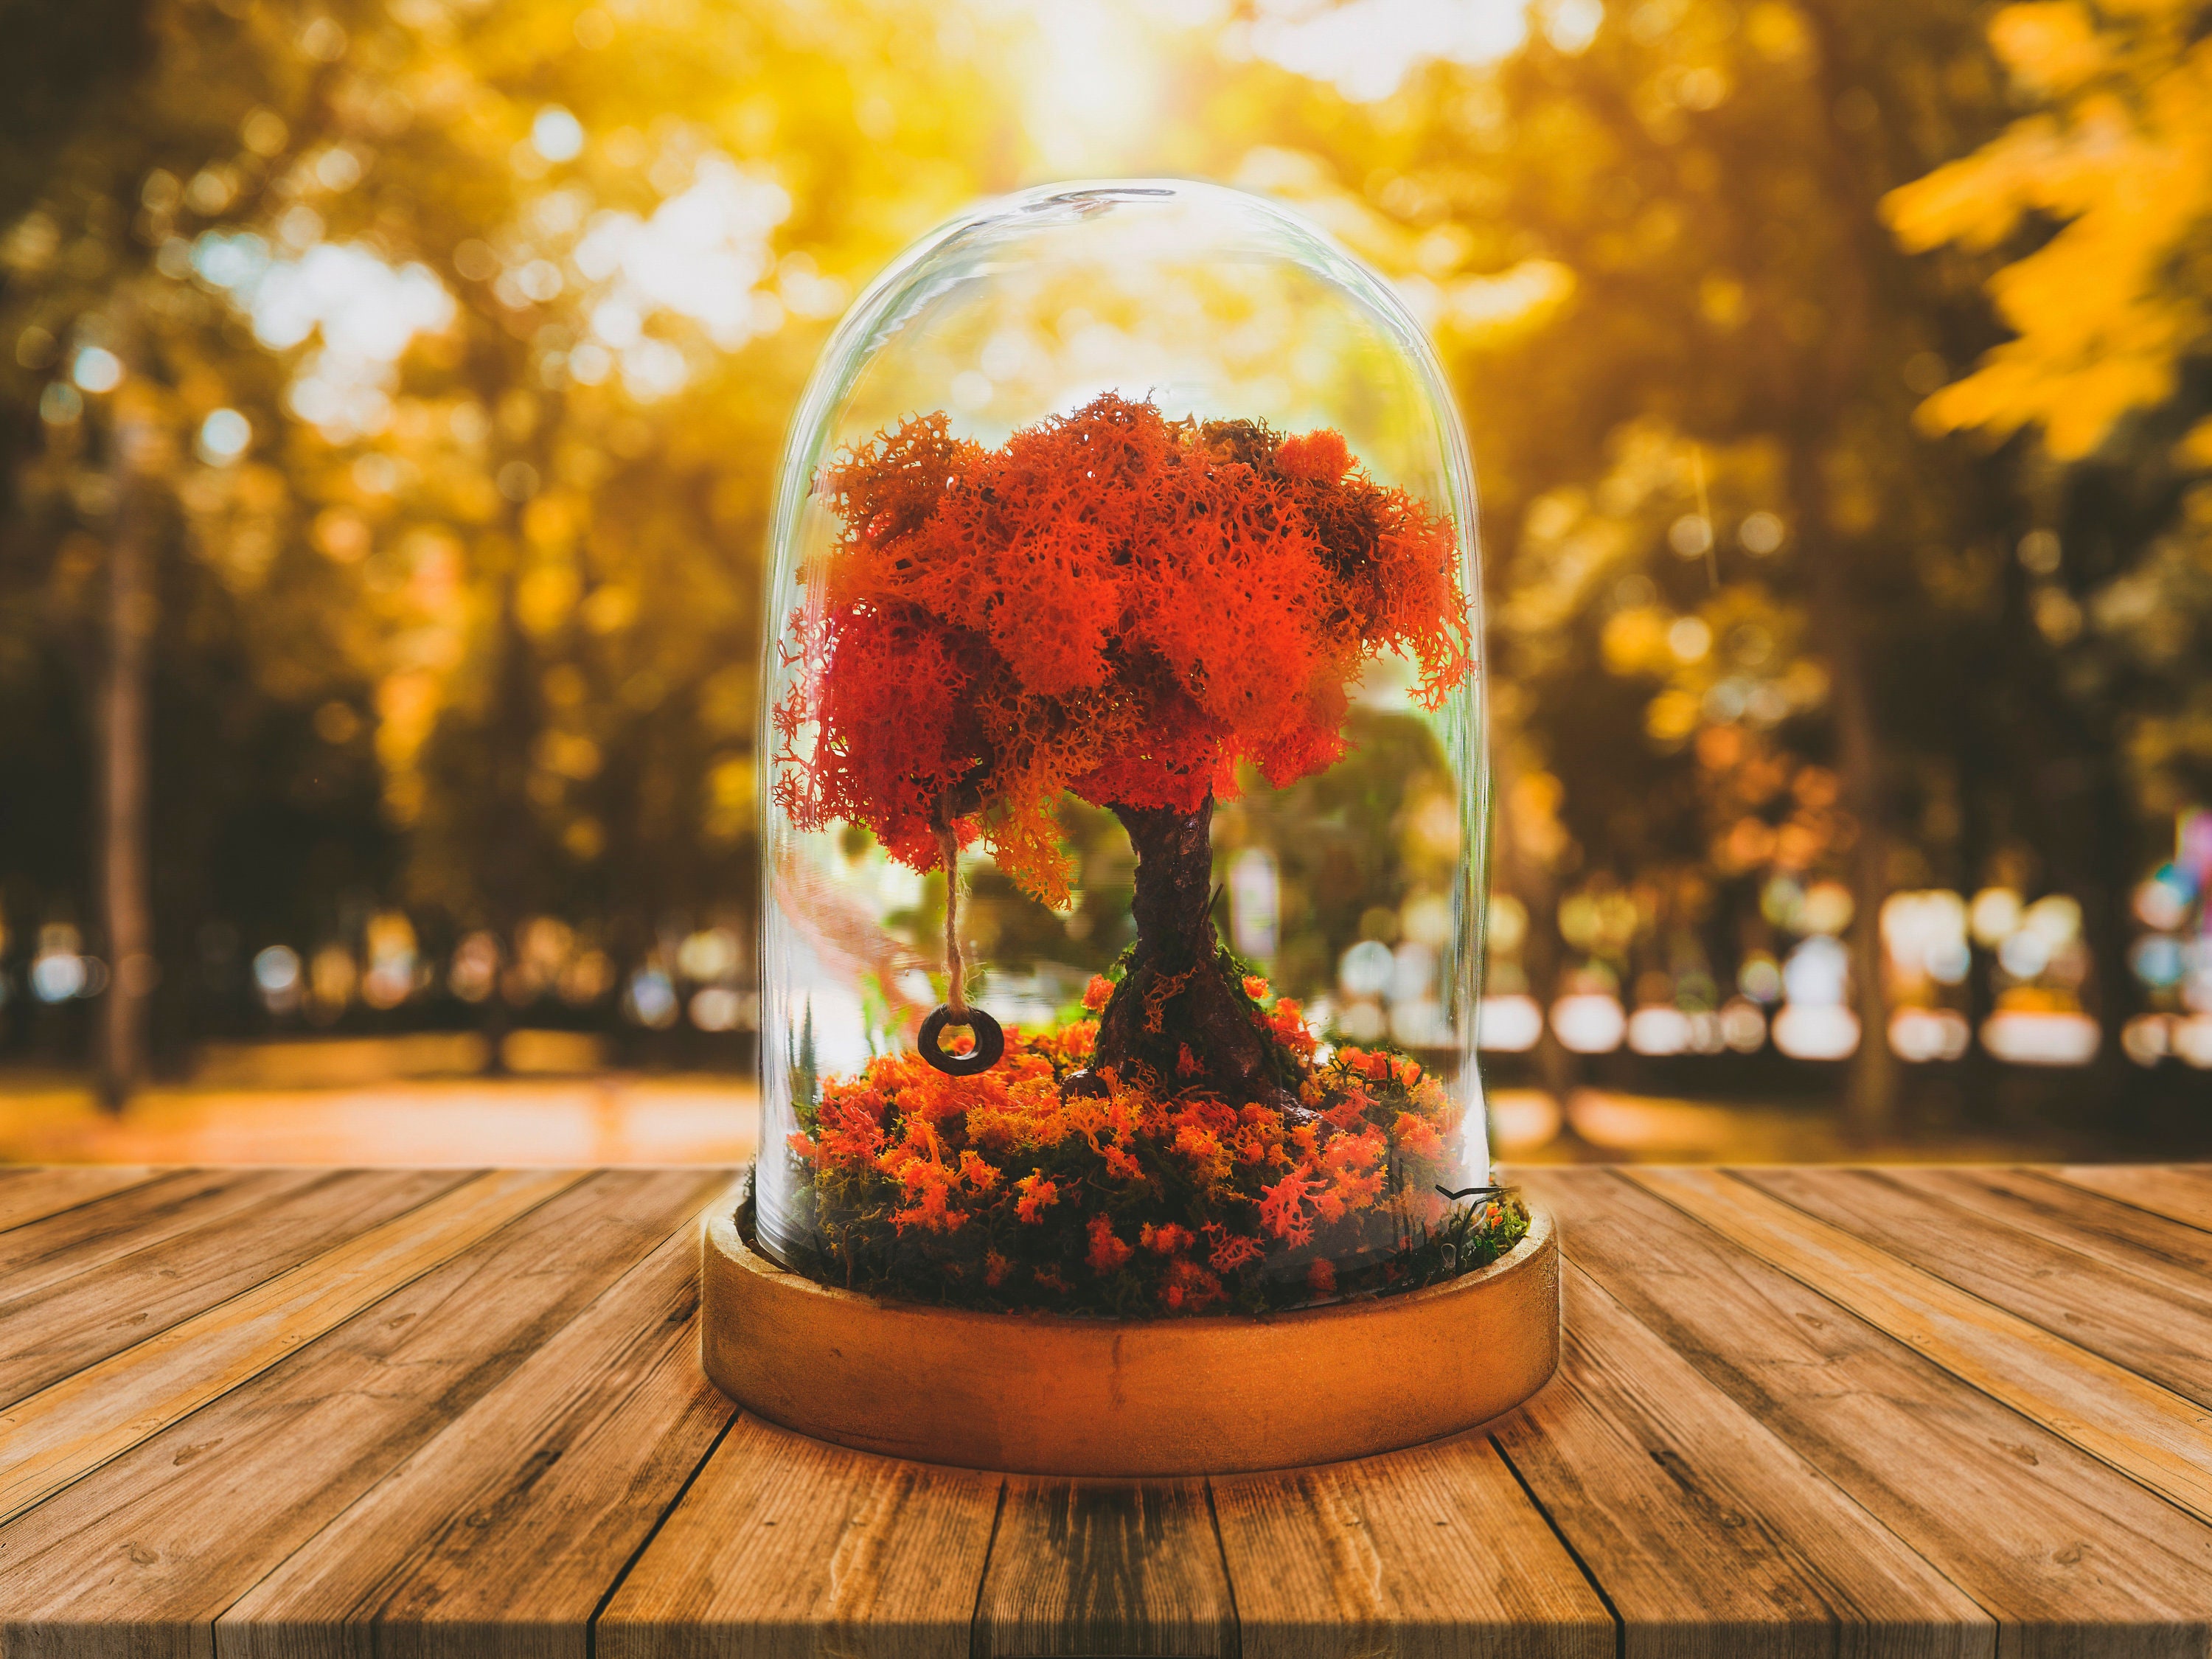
(1125, 572)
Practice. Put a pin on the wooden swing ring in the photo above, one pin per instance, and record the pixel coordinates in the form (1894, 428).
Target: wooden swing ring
(990, 1042)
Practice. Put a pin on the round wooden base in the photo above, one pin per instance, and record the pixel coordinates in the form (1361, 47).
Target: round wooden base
(1041, 1394)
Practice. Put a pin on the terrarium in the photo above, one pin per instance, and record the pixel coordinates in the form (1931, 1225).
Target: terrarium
(1122, 751)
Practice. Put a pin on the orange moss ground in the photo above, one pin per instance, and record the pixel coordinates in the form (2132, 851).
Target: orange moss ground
(1004, 1190)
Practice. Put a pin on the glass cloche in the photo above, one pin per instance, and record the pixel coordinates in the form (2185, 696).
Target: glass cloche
(1122, 736)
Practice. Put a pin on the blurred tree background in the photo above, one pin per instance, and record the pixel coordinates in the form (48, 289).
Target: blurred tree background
(392, 395)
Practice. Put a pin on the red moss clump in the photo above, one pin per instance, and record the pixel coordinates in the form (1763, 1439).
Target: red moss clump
(1110, 603)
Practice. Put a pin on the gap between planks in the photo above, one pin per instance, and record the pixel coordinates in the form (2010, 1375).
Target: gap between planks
(783, 1548)
(2068, 1553)
(2135, 1313)
(521, 1511)
(2180, 1193)
(72, 1426)
(2144, 1430)
(1091, 1567)
(1698, 1519)
(61, 1246)
(97, 1299)
(1434, 1551)
(1246, 1625)
(140, 1557)
(2119, 1234)
(786, 1548)
(32, 1193)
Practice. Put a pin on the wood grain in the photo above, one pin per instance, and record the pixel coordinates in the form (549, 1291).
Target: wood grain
(457, 1430)
(87, 1236)
(2179, 1192)
(31, 1194)
(2068, 1555)
(2177, 1257)
(2134, 1321)
(1082, 1567)
(50, 1330)
(1435, 1553)
(139, 1558)
(74, 1425)
(787, 1548)
(503, 1534)
(2147, 1431)
(1710, 1535)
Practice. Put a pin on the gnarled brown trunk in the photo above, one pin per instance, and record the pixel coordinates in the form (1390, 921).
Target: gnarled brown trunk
(1177, 994)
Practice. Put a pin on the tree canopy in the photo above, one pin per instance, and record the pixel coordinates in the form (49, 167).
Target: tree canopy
(1110, 603)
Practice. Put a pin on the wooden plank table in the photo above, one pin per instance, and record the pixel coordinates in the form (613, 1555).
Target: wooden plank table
(290, 1413)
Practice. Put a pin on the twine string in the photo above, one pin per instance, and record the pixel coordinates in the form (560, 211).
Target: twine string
(948, 844)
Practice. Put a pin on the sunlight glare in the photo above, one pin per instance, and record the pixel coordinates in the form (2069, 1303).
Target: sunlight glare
(365, 310)
(702, 255)
(1093, 100)
(1367, 47)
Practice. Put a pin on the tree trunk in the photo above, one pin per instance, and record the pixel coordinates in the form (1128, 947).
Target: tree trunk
(1837, 374)
(124, 882)
(510, 724)
(1870, 1092)
(1177, 996)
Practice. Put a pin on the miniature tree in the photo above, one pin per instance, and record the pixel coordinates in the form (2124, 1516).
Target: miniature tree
(1125, 607)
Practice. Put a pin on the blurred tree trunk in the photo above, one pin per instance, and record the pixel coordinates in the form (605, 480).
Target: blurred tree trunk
(512, 718)
(125, 763)
(1870, 1103)
(1839, 368)
(1523, 870)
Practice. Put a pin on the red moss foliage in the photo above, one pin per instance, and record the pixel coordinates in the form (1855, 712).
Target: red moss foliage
(1111, 603)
